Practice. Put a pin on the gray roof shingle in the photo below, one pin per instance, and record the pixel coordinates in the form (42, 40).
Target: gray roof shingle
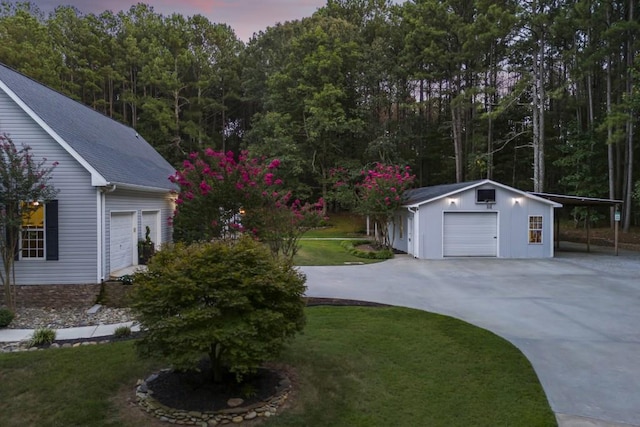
(424, 194)
(114, 150)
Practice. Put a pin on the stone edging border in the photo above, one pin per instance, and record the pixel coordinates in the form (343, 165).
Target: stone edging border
(22, 346)
(268, 408)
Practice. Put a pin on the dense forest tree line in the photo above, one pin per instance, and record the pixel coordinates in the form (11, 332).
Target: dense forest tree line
(539, 94)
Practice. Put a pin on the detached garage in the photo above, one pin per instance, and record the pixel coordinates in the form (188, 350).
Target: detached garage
(475, 219)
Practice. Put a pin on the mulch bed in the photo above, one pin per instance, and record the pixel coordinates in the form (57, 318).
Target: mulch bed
(196, 391)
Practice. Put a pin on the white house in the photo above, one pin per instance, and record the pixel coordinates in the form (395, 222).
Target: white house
(474, 219)
(112, 185)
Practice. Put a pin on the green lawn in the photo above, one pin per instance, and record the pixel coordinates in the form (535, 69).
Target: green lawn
(329, 252)
(326, 252)
(356, 367)
(341, 225)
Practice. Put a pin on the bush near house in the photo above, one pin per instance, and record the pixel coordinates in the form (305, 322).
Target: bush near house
(228, 300)
(6, 316)
(352, 247)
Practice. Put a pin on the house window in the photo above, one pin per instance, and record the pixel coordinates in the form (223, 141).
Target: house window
(401, 226)
(32, 234)
(487, 195)
(535, 229)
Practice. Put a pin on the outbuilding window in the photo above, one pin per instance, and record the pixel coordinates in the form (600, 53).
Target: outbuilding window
(486, 195)
(535, 229)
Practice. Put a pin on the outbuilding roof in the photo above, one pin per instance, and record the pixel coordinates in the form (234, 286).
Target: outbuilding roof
(424, 195)
(112, 152)
(566, 199)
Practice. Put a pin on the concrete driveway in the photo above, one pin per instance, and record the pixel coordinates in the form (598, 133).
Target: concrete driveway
(575, 317)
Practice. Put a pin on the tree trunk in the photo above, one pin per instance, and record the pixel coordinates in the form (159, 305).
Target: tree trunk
(538, 118)
(215, 354)
(456, 120)
(630, 127)
(610, 152)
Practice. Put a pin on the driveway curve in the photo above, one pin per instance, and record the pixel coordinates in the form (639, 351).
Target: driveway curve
(575, 317)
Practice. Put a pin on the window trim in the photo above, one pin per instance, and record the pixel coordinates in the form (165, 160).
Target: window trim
(51, 235)
(530, 230)
(485, 201)
(43, 230)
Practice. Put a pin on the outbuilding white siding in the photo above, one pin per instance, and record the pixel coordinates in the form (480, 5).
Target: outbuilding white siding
(456, 224)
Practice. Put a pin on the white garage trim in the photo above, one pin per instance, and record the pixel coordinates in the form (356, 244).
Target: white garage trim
(122, 240)
(470, 234)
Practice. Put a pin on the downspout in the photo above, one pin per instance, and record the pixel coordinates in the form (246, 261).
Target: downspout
(416, 231)
(99, 236)
(101, 213)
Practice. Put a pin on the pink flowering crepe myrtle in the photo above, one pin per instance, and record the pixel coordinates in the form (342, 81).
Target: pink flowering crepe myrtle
(222, 195)
(380, 195)
(376, 192)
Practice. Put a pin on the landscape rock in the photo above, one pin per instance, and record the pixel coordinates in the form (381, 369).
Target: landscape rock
(235, 402)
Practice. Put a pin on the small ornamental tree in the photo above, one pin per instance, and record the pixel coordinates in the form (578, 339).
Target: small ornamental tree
(227, 299)
(377, 193)
(222, 196)
(24, 185)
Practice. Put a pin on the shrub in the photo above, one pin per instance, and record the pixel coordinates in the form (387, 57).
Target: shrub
(127, 279)
(42, 336)
(6, 316)
(122, 332)
(350, 246)
(228, 300)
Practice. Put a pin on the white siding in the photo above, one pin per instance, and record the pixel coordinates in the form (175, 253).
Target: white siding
(399, 231)
(138, 202)
(78, 247)
(513, 209)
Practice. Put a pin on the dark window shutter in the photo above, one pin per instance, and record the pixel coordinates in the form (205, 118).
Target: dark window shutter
(51, 230)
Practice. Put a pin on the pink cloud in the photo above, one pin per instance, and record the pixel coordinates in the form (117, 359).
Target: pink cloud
(246, 17)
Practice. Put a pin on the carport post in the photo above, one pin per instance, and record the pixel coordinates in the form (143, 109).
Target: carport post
(557, 233)
(588, 229)
(616, 226)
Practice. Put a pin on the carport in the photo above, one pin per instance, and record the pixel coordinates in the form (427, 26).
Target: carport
(588, 202)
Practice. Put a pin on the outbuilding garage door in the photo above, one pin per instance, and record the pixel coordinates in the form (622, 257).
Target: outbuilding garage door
(121, 241)
(470, 234)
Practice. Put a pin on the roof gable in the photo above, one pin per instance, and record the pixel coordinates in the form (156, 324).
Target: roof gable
(112, 152)
(420, 196)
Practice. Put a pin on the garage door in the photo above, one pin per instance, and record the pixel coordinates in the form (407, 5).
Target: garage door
(121, 236)
(471, 234)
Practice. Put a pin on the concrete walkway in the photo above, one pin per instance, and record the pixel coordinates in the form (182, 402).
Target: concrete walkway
(575, 317)
(86, 332)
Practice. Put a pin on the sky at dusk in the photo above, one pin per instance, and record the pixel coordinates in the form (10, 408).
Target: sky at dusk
(244, 16)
